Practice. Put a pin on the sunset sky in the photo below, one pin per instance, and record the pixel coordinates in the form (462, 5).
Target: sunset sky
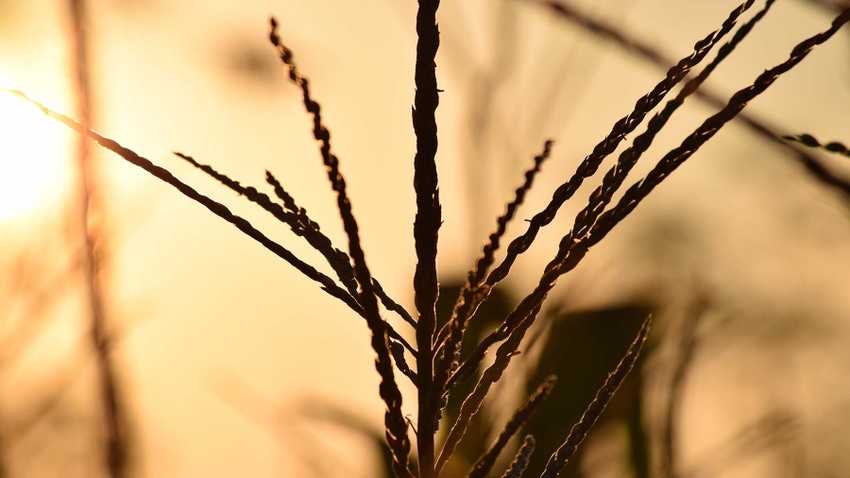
(220, 344)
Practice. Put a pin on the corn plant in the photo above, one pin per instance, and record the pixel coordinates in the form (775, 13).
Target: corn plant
(444, 362)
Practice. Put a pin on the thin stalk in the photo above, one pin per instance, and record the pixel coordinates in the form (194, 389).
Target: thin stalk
(116, 448)
(426, 226)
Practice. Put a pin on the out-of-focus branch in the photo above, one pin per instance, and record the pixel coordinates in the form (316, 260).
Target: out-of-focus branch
(116, 447)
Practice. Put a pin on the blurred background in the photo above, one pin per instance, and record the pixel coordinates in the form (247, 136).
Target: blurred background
(224, 361)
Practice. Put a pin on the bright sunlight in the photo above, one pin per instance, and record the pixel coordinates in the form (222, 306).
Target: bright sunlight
(32, 152)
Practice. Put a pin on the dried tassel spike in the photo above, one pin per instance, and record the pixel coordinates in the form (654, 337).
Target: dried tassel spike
(396, 425)
(472, 402)
(523, 457)
(609, 144)
(616, 175)
(472, 294)
(520, 418)
(297, 221)
(812, 142)
(579, 431)
(328, 285)
(673, 159)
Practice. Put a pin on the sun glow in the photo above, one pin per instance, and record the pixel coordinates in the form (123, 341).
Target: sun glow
(32, 158)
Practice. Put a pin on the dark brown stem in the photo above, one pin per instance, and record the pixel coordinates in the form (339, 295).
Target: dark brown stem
(426, 226)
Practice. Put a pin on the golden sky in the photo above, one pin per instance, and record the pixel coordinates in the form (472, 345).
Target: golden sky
(220, 341)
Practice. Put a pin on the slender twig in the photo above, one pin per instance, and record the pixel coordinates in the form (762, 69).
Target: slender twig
(816, 168)
(521, 416)
(522, 459)
(396, 425)
(812, 142)
(116, 426)
(298, 221)
(615, 176)
(609, 144)
(573, 248)
(391, 304)
(471, 294)
(472, 404)
(328, 285)
(642, 49)
(301, 224)
(673, 159)
(587, 168)
(579, 431)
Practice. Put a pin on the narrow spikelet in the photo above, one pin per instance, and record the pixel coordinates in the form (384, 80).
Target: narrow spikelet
(391, 304)
(520, 418)
(298, 222)
(812, 142)
(472, 403)
(629, 43)
(609, 144)
(673, 159)
(397, 351)
(338, 259)
(286, 198)
(426, 225)
(573, 248)
(579, 431)
(615, 176)
(471, 294)
(396, 425)
(523, 457)
(816, 168)
(328, 284)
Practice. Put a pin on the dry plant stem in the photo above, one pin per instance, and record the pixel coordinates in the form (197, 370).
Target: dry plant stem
(816, 168)
(615, 176)
(328, 285)
(392, 305)
(579, 431)
(116, 428)
(451, 336)
(296, 218)
(520, 418)
(573, 248)
(522, 459)
(758, 126)
(472, 403)
(609, 144)
(812, 142)
(587, 168)
(638, 191)
(300, 224)
(426, 226)
(394, 421)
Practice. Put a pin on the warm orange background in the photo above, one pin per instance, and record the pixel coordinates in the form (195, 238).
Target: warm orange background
(220, 343)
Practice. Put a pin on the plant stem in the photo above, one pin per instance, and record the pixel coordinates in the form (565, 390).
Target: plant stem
(426, 225)
(113, 414)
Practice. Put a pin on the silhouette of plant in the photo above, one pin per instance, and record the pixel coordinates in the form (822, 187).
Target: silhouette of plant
(446, 362)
